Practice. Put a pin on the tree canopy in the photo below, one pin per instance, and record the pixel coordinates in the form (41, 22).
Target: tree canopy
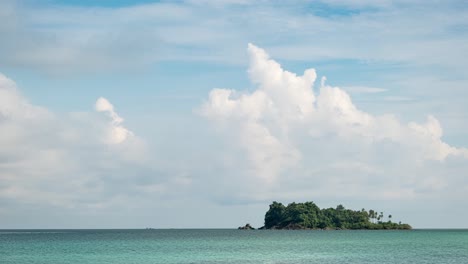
(309, 216)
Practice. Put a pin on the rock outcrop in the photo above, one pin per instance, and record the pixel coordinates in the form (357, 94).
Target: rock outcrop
(246, 227)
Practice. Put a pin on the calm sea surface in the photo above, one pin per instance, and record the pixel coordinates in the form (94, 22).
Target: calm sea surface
(232, 246)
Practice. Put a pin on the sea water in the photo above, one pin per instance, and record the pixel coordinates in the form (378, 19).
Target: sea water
(232, 246)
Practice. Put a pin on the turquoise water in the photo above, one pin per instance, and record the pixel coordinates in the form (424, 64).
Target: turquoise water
(232, 246)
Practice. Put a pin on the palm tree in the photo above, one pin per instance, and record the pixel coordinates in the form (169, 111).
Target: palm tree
(390, 218)
(372, 215)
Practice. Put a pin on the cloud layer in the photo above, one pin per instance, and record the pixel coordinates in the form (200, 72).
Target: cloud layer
(71, 39)
(290, 138)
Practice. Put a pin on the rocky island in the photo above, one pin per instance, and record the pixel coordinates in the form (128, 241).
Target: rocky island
(298, 216)
(246, 227)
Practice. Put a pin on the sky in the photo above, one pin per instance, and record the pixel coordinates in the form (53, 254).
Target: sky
(199, 114)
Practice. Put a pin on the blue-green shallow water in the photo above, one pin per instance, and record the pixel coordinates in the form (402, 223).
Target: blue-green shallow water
(232, 246)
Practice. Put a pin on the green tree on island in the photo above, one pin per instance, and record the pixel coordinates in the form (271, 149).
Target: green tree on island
(309, 216)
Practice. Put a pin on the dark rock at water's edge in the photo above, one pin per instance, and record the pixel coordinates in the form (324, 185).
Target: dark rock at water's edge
(246, 227)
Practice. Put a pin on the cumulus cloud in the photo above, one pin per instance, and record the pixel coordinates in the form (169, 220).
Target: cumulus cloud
(13, 105)
(75, 160)
(293, 131)
(116, 132)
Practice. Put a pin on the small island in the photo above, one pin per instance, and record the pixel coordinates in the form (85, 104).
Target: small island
(246, 227)
(303, 216)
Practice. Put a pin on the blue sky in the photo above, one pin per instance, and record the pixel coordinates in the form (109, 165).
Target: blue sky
(160, 113)
(96, 3)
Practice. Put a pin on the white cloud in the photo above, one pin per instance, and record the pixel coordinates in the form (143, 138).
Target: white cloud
(282, 97)
(76, 160)
(106, 39)
(290, 133)
(13, 105)
(117, 133)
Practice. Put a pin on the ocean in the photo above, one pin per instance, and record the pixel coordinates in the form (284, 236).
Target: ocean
(232, 246)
